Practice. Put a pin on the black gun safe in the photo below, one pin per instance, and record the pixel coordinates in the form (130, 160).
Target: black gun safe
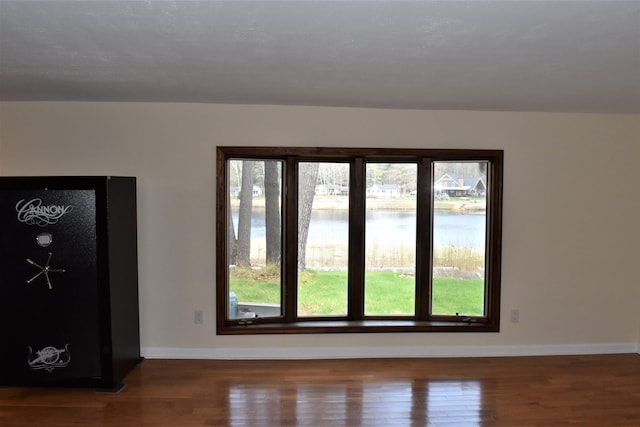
(68, 281)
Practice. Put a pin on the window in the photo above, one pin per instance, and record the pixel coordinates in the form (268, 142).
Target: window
(324, 240)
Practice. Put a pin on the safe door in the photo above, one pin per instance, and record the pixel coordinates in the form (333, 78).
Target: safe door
(48, 286)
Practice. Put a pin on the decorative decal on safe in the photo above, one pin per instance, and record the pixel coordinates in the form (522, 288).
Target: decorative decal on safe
(33, 213)
(44, 270)
(49, 358)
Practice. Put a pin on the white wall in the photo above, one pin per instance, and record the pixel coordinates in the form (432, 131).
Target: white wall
(571, 233)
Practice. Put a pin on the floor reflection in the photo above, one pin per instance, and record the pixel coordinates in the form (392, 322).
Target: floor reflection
(454, 402)
(397, 403)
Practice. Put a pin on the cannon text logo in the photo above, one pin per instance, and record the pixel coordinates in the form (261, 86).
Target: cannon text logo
(32, 212)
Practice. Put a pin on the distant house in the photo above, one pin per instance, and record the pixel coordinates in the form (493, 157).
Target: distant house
(457, 185)
(332, 190)
(383, 190)
(235, 191)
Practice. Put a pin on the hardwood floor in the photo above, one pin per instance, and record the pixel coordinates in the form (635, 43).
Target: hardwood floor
(601, 390)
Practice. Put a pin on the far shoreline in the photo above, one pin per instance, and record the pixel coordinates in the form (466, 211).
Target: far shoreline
(402, 203)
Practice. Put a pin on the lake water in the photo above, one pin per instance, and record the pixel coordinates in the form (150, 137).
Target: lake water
(389, 227)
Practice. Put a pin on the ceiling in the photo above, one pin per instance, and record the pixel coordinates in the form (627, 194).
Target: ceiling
(573, 56)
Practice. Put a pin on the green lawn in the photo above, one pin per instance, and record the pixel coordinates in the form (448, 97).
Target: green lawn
(325, 292)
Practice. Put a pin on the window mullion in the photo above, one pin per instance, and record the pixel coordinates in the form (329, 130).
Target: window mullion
(424, 247)
(357, 189)
(494, 240)
(290, 250)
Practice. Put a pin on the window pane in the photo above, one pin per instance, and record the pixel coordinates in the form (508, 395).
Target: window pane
(254, 236)
(323, 238)
(459, 235)
(390, 235)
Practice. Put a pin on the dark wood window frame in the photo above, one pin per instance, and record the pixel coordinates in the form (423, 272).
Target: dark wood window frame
(356, 321)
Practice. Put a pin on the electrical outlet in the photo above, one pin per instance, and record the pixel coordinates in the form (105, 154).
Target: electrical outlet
(515, 315)
(198, 317)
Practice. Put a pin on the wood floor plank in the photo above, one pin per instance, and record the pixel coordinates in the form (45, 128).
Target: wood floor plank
(601, 390)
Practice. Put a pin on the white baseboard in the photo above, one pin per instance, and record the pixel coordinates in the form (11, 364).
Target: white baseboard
(386, 352)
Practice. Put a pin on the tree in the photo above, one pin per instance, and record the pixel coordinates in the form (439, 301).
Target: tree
(243, 246)
(466, 169)
(333, 176)
(240, 248)
(232, 242)
(272, 210)
(307, 179)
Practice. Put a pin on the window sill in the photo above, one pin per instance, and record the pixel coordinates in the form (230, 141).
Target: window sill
(366, 326)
